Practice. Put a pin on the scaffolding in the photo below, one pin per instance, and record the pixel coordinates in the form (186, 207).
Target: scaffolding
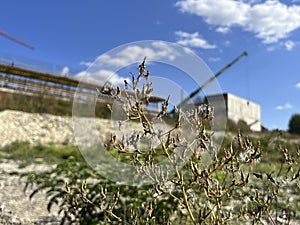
(28, 82)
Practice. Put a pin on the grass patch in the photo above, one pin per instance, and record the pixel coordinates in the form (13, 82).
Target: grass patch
(28, 153)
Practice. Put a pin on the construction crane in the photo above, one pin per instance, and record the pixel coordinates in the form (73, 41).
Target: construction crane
(4, 34)
(209, 81)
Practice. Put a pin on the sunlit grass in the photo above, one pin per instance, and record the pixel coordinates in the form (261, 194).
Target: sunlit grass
(29, 153)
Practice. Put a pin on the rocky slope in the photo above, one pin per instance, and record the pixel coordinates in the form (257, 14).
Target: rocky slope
(34, 128)
(49, 129)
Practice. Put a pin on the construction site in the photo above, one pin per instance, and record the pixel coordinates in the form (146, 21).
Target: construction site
(34, 90)
(39, 92)
(47, 93)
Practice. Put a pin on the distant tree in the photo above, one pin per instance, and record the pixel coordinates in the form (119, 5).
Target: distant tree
(294, 124)
(264, 129)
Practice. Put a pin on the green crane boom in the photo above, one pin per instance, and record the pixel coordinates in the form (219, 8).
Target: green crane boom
(210, 80)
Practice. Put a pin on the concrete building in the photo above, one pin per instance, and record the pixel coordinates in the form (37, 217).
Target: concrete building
(237, 109)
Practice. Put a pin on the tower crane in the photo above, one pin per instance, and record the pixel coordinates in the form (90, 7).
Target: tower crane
(4, 34)
(209, 81)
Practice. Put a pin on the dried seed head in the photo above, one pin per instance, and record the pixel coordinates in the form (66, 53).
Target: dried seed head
(109, 107)
(142, 68)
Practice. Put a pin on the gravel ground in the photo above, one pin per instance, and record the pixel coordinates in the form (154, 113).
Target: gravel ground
(15, 206)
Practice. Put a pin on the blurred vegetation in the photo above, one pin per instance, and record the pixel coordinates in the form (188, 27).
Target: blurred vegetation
(45, 104)
(234, 127)
(27, 153)
(85, 197)
(294, 124)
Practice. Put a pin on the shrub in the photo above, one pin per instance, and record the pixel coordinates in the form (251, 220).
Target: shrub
(45, 104)
(234, 127)
(211, 187)
(294, 124)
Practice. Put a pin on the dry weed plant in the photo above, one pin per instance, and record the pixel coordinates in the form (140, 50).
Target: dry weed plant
(200, 184)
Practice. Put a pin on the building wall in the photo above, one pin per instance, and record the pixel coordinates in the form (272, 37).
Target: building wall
(236, 108)
(242, 109)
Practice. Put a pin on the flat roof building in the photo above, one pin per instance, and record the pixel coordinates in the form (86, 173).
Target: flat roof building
(237, 109)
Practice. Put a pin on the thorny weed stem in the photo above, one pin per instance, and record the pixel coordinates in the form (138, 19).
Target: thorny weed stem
(226, 180)
(148, 128)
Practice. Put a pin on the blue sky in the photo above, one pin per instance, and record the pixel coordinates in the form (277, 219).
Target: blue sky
(74, 33)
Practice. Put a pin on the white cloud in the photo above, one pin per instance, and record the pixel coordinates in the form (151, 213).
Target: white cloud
(227, 43)
(213, 59)
(217, 12)
(193, 40)
(103, 68)
(83, 63)
(101, 77)
(271, 48)
(283, 107)
(223, 30)
(65, 71)
(158, 50)
(289, 45)
(252, 1)
(270, 20)
(298, 85)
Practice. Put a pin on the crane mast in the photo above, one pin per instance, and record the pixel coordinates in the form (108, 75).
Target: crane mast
(4, 34)
(210, 80)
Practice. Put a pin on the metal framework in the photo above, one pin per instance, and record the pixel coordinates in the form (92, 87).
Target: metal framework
(4, 34)
(30, 82)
